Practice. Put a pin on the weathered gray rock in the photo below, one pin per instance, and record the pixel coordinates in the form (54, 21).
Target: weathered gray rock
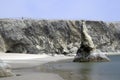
(54, 36)
(35, 36)
(86, 52)
(5, 70)
(2, 45)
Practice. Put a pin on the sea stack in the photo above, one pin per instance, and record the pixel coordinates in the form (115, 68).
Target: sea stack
(87, 51)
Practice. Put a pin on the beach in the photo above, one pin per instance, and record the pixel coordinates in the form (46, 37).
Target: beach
(27, 66)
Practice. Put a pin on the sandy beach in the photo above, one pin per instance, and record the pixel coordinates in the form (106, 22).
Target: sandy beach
(26, 66)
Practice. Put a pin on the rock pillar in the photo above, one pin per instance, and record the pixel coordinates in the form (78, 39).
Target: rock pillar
(87, 51)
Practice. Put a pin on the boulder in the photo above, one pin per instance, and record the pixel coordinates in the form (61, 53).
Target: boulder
(5, 69)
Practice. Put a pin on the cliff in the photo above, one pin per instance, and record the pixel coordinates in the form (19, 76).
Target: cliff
(55, 36)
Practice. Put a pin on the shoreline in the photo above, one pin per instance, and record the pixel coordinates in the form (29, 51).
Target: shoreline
(112, 53)
(23, 56)
(26, 65)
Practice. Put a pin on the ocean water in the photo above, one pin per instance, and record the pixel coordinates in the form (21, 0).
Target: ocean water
(69, 70)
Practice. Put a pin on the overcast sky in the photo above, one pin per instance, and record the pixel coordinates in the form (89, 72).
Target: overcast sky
(106, 10)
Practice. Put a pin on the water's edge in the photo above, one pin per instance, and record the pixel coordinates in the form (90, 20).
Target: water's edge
(84, 71)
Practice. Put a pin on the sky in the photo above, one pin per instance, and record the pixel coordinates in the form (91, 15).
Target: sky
(105, 10)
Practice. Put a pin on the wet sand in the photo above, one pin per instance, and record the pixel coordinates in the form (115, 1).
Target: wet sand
(70, 70)
(27, 66)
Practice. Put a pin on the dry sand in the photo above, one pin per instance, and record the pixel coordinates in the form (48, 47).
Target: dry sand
(27, 66)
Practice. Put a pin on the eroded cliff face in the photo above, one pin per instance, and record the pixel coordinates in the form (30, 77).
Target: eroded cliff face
(55, 36)
(106, 36)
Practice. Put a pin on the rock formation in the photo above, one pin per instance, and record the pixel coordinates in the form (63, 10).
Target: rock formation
(38, 36)
(87, 51)
(55, 36)
(5, 70)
